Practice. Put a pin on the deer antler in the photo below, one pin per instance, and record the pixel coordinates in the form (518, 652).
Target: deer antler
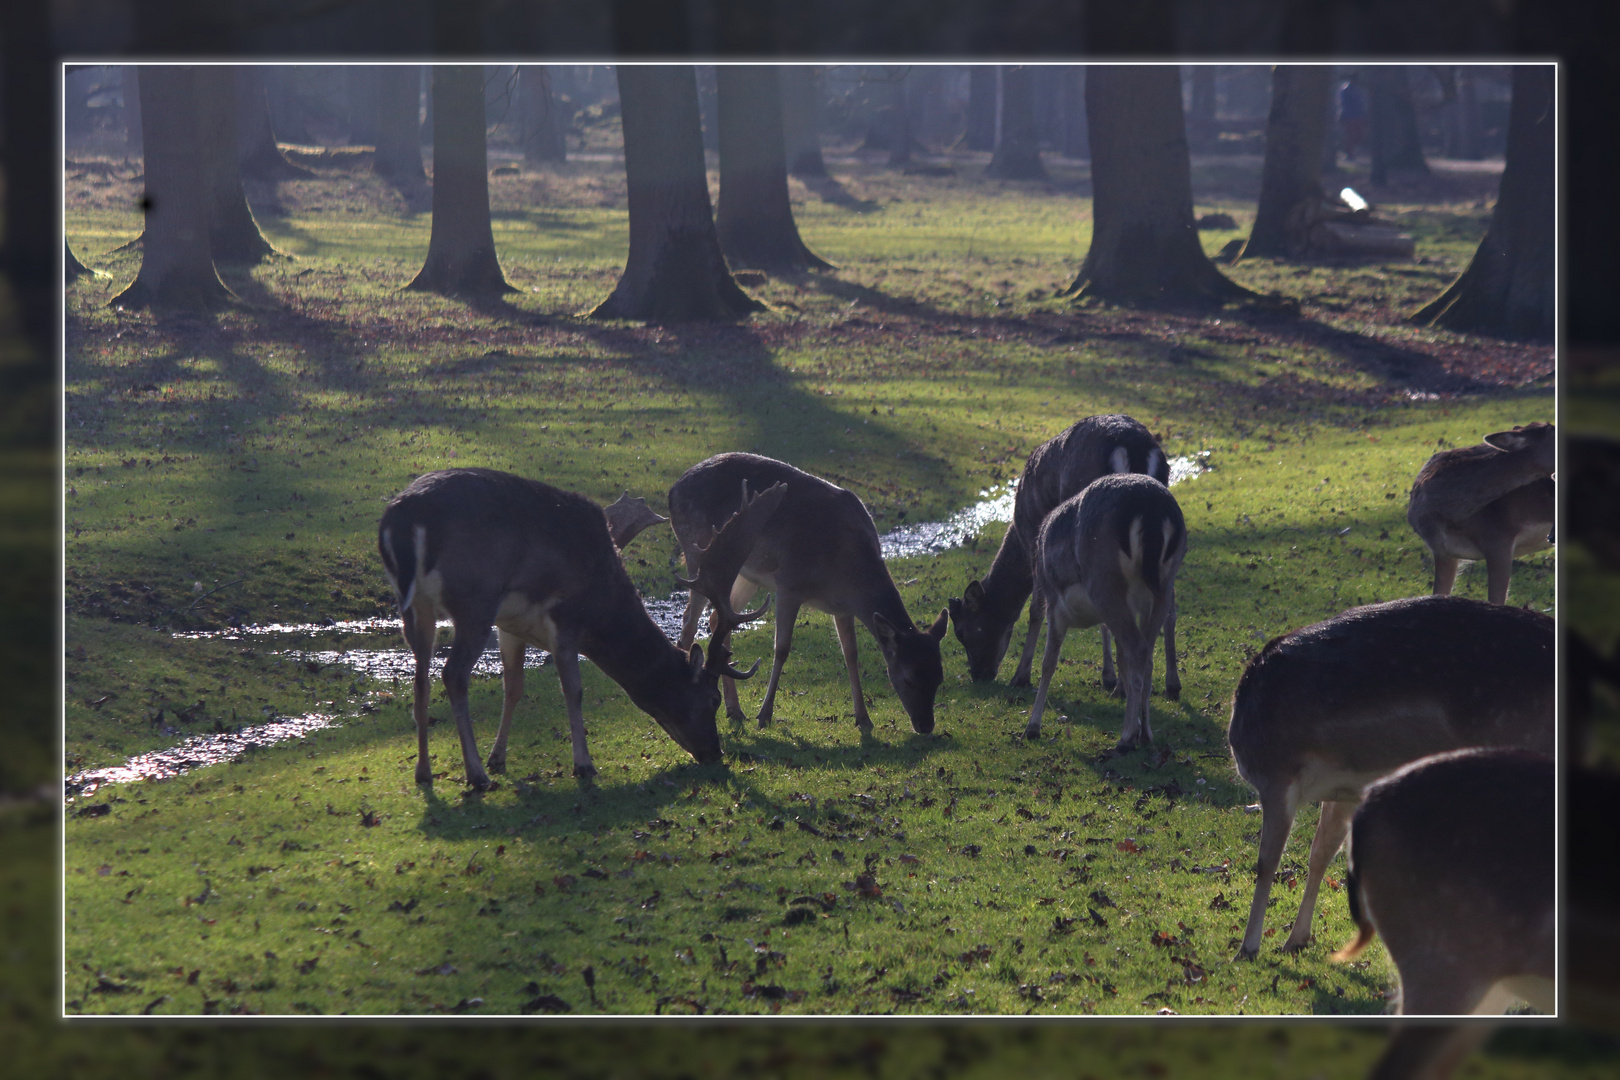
(628, 517)
(720, 562)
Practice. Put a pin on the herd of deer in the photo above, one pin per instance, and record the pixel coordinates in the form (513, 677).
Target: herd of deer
(1423, 726)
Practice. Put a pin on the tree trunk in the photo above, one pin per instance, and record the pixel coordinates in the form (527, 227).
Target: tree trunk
(1508, 286)
(545, 128)
(1144, 243)
(1018, 155)
(1076, 135)
(754, 221)
(177, 264)
(900, 120)
(132, 109)
(232, 233)
(72, 267)
(361, 81)
(801, 120)
(1201, 130)
(1464, 140)
(981, 113)
(461, 250)
(1392, 124)
(1296, 131)
(257, 153)
(398, 157)
(674, 271)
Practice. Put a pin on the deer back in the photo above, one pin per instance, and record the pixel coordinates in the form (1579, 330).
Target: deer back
(1367, 691)
(1454, 485)
(1065, 465)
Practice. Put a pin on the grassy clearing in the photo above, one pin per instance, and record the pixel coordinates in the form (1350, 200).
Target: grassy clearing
(233, 469)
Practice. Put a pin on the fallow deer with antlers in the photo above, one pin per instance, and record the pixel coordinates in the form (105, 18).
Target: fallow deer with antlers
(1109, 555)
(1324, 711)
(820, 548)
(1492, 501)
(540, 565)
(1058, 469)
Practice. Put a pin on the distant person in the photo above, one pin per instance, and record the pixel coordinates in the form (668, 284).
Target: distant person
(1352, 116)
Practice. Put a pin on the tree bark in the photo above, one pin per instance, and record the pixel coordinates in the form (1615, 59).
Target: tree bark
(801, 120)
(232, 233)
(1144, 243)
(361, 82)
(1296, 131)
(1201, 130)
(900, 120)
(981, 112)
(1508, 286)
(1392, 124)
(177, 264)
(258, 155)
(461, 249)
(1076, 135)
(545, 128)
(132, 109)
(1018, 154)
(398, 157)
(72, 267)
(754, 221)
(674, 271)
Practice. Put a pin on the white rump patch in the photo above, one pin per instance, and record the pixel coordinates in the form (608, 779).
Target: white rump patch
(1119, 460)
(1155, 456)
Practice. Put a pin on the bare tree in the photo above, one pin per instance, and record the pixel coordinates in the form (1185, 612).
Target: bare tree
(461, 251)
(801, 119)
(177, 262)
(1392, 123)
(260, 158)
(398, 157)
(1144, 243)
(982, 106)
(545, 125)
(1508, 286)
(674, 271)
(1017, 155)
(1296, 131)
(1201, 130)
(754, 221)
(1076, 135)
(232, 232)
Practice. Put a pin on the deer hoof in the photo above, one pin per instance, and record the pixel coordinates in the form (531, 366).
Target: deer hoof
(736, 716)
(496, 765)
(585, 772)
(1172, 693)
(479, 783)
(1246, 954)
(1019, 682)
(424, 774)
(1032, 733)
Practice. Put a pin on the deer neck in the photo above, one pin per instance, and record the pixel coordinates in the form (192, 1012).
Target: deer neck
(623, 642)
(1009, 581)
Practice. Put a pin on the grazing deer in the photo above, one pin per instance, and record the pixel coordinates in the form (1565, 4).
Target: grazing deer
(1491, 502)
(1451, 862)
(821, 548)
(1322, 712)
(1109, 555)
(1059, 469)
(539, 564)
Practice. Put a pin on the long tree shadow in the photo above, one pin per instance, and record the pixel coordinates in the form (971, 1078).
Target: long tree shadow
(829, 189)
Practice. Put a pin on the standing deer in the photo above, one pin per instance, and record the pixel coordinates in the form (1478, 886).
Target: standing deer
(1322, 712)
(1491, 502)
(820, 548)
(1109, 555)
(1451, 862)
(1059, 469)
(540, 565)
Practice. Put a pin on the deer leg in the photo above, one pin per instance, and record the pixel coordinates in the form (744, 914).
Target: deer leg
(787, 612)
(1276, 821)
(512, 649)
(1172, 678)
(1037, 615)
(464, 651)
(420, 631)
(1136, 678)
(1331, 828)
(1110, 681)
(845, 625)
(1436, 986)
(695, 603)
(567, 658)
(1498, 571)
(1049, 659)
(1445, 574)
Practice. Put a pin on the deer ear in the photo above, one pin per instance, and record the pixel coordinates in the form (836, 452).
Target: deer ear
(973, 596)
(884, 631)
(694, 659)
(954, 607)
(1506, 440)
(937, 631)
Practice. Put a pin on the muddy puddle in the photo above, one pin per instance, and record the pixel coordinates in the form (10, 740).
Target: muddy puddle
(375, 647)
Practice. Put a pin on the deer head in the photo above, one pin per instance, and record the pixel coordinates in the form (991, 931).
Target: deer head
(720, 561)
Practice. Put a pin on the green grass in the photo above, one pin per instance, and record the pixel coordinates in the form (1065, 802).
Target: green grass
(252, 453)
